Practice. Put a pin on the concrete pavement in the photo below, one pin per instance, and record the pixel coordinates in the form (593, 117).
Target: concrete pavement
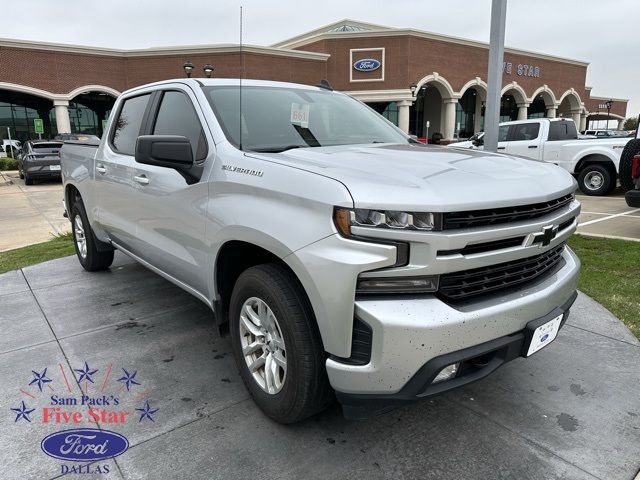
(571, 411)
(30, 214)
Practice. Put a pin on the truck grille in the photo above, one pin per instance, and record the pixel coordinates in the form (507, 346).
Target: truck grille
(479, 218)
(459, 286)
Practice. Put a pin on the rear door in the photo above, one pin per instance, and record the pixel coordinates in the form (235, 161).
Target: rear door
(169, 208)
(114, 171)
(524, 140)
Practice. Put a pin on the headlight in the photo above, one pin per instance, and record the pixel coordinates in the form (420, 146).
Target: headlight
(345, 218)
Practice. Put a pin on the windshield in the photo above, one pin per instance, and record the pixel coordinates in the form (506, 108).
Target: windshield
(275, 119)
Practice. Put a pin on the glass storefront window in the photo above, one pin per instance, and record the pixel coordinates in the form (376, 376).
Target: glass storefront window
(466, 113)
(508, 109)
(537, 109)
(388, 110)
(18, 110)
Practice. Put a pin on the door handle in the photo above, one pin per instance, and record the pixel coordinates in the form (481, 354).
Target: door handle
(501, 148)
(533, 146)
(141, 179)
(101, 169)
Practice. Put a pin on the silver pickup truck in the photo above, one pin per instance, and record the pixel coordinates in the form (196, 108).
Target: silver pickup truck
(343, 258)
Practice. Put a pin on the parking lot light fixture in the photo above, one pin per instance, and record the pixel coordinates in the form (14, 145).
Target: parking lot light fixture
(188, 68)
(609, 104)
(208, 70)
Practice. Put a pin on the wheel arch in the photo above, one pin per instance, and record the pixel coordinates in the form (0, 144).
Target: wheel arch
(599, 158)
(234, 257)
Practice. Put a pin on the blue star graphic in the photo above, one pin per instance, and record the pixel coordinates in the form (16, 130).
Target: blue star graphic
(23, 412)
(128, 378)
(85, 374)
(40, 378)
(146, 412)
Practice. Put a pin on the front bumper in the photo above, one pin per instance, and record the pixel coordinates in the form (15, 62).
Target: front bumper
(409, 332)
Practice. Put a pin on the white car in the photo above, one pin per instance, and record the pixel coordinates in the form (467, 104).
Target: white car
(594, 162)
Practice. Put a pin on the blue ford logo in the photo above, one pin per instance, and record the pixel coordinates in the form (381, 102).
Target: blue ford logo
(544, 337)
(367, 65)
(84, 444)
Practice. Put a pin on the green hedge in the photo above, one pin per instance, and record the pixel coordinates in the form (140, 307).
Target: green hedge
(8, 164)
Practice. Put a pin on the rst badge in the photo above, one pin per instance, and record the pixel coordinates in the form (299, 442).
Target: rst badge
(367, 64)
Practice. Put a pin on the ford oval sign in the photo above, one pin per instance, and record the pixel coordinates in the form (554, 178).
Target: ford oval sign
(367, 65)
(84, 445)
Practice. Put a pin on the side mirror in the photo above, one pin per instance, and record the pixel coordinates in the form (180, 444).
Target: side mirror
(478, 142)
(172, 151)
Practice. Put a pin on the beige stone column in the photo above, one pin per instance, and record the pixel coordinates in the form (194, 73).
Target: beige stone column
(63, 124)
(449, 118)
(403, 115)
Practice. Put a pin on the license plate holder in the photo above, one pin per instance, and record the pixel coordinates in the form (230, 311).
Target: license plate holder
(540, 333)
(54, 167)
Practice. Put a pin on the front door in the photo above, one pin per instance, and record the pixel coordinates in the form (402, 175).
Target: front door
(169, 207)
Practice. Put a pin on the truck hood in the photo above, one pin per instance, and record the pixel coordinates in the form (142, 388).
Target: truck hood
(421, 178)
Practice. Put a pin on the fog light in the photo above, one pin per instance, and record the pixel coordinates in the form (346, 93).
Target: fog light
(447, 373)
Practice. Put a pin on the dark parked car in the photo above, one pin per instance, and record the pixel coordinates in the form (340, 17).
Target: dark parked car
(39, 159)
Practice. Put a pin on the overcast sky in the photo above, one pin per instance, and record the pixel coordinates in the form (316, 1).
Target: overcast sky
(603, 33)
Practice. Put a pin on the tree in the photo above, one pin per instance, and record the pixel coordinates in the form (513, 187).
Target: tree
(630, 123)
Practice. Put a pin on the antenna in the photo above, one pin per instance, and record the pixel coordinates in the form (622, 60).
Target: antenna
(241, 75)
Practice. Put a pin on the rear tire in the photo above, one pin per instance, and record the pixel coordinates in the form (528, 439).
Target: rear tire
(20, 174)
(86, 243)
(631, 149)
(595, 179)
(270, 315)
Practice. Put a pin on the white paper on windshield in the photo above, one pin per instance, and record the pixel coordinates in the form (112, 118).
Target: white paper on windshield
(300, 114)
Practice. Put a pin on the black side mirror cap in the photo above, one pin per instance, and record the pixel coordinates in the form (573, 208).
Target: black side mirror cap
(171, 151)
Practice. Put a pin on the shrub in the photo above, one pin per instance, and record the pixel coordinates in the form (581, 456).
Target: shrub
(8, 164)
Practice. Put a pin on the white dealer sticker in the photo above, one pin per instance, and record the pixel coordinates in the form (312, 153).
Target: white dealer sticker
(300, 114)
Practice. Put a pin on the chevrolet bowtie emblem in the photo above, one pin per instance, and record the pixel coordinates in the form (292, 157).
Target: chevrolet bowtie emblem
(543, 239)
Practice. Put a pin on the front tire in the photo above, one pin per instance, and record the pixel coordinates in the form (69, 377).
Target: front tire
(277, 345)
(595, 180)
(86, 243)
(631, 149)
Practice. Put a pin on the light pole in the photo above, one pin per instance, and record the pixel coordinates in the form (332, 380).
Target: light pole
(413, 87)
(494, 74)
(414, 93)
(609, 104)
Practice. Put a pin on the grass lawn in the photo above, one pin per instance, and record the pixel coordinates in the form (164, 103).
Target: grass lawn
(610, 270)
(58, 246)
(611, 275)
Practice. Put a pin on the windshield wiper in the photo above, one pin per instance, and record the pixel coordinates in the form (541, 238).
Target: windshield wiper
(277, 149)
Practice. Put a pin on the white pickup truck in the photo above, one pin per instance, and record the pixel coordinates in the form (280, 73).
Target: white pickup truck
(595, 162)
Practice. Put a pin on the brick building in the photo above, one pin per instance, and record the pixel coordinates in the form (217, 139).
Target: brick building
(421, 81)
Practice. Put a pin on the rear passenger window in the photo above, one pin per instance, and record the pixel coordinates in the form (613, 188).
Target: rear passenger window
(128, 124)
(525, 131)
(177, 116)
(562, 131)
(503, 132)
